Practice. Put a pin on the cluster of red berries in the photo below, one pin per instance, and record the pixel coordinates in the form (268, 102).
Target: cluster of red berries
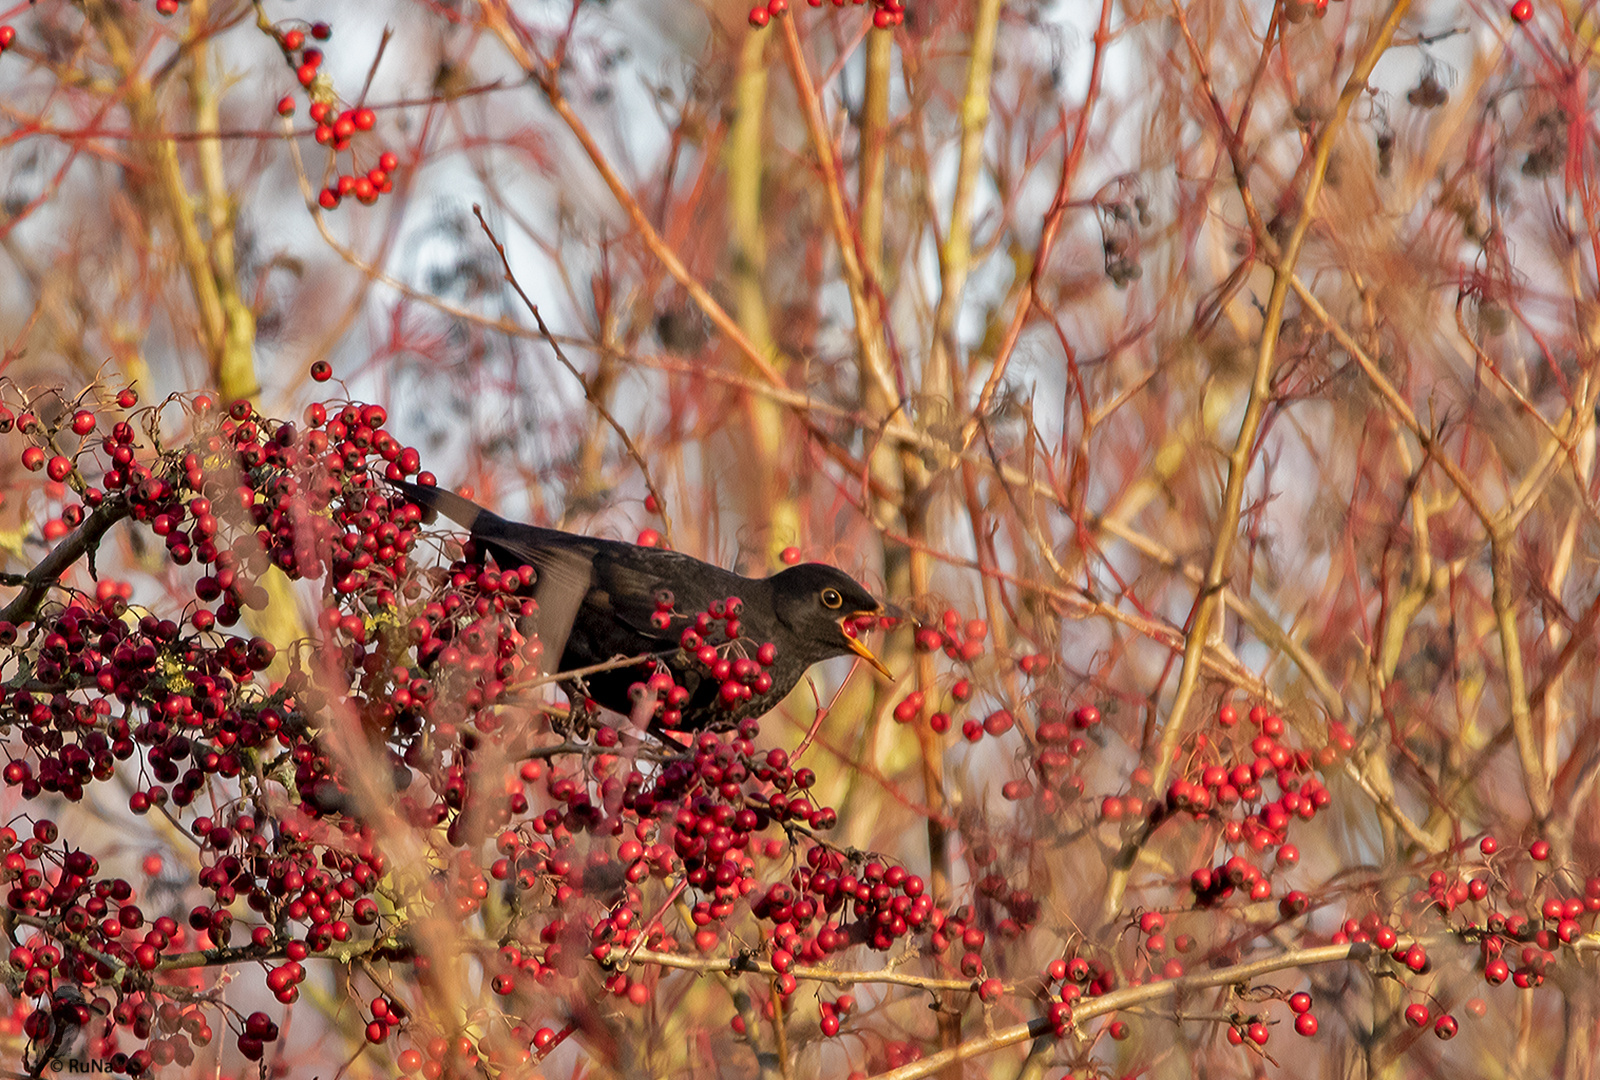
(710, 639)
(178, 700)
(1223, 783)
(715, 817)
(335, 127)
(45, 452)
(1518, 931)
(838, 901)
(886, 14)
(962, 641)
(306, 60)
(1251, 1028)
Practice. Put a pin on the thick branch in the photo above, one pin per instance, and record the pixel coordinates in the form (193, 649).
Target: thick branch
(37, 582)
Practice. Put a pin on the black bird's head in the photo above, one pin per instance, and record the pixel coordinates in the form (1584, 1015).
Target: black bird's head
(816, 602)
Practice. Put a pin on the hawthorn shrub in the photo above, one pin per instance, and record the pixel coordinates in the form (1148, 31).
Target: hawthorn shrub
(493, 875)
(1212, 386)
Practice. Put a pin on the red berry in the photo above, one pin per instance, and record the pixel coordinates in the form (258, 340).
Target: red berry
(364, 119)
(59, 469)
(322, 371)
(759, 17)
(1306, 1024)
(286, 105)
(789, 556)
(1417, 1014)
(1540, 850)
(82, 422)
(1488, 845)
(1300, 1002)
(8, 34)
(1446, 1027)
(1522, 11)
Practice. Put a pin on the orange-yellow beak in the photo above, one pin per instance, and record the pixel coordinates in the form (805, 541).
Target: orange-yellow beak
(862, 651)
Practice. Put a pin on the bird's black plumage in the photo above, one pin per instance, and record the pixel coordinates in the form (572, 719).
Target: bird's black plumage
(601, 600)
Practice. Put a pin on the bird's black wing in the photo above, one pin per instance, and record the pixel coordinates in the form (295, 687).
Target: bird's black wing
(632, 583)
(562, 563)
(600, 600)
(563, 558)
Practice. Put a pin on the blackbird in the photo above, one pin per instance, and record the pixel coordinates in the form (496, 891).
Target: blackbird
(602, 600)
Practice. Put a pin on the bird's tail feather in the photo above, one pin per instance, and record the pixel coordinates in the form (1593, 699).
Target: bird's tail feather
(463, 512)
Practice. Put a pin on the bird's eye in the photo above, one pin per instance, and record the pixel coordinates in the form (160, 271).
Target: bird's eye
(832, 599)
